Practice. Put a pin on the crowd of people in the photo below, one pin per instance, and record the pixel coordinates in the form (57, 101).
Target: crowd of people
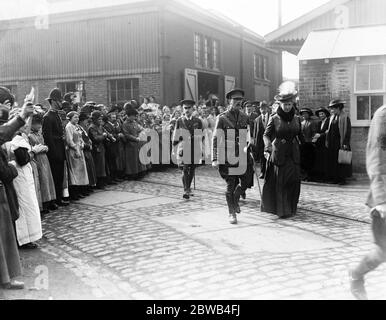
(63, 152)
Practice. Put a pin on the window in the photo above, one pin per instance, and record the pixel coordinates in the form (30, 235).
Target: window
(369, 91)
(206, 52)
(197, 50)
(123, 90)
(260, 66)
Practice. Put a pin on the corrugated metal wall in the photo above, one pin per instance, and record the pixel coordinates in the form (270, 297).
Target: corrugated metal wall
(108, 46)
(361, 13)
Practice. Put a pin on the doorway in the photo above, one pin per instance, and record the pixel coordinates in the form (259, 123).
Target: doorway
(208, 84)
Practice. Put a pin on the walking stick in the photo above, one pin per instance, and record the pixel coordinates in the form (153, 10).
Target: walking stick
(257, 177)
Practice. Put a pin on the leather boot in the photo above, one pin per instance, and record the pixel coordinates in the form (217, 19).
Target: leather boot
(236, 196)
(231, 209)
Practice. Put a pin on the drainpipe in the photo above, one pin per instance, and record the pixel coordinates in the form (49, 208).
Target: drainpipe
(241, 57)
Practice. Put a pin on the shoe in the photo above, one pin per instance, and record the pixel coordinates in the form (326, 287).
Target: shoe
(232, 219)
(52, 207)
(191, 194)
(186, 195)
(357, 287)
(236, 196)
(14, 285)
(62, 203)
(30, 245)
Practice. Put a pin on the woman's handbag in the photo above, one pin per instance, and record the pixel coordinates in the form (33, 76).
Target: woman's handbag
(344, 157)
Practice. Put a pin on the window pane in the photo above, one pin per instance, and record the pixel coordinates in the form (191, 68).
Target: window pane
(113, 85)
(265, 69)
(376, 102)
(376, 77)
(362, 78)
(261, 75)
(363, 109)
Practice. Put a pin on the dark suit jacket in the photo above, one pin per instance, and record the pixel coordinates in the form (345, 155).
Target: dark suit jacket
(53, 133)
(257, 136)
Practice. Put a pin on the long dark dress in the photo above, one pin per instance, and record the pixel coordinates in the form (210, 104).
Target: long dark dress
(337, 173)
(98, 150)
(281, 189)
(320, 168)
(131, 129)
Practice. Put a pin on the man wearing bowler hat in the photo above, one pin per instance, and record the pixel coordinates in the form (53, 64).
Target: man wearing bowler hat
(226, 139)
(53, 133)
(184, 137)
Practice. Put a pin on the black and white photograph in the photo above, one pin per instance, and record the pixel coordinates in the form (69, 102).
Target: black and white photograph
(193, 150)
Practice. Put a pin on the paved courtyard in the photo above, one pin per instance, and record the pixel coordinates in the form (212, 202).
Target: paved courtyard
(141, 240)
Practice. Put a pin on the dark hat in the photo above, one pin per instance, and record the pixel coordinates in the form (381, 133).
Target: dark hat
(68, 96)
(95, 115)
(187, 101)
(306, 110)
(255, 103)
(55, 95)
(337, 104)
(130, 109)
(235, 91)
(263, 104)
(324, 110)
(4, 114)
(37, 118)
(83, 116)
(246, 103)
(90, 103)
(66, 106)
(5, 94)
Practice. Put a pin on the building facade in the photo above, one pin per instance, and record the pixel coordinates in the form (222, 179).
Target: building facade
(168, 49)
(342, 54)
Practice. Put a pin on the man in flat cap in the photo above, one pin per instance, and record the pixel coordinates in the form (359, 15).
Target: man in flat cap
(230, 127)
(188, 143)
(53, 133)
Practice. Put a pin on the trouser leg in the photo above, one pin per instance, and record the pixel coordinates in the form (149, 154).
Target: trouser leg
(192, 169)
(185, 172)
(370, 262)
(229, 195)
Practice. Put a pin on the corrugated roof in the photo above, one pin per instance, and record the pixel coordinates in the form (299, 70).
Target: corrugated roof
(351, 42)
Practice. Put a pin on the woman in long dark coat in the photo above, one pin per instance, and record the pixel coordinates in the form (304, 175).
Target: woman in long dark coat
(281, 190)
(98, 136)
(338, 137)
(92, 179)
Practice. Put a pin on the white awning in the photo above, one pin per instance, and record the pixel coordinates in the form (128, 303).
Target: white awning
(351, 42)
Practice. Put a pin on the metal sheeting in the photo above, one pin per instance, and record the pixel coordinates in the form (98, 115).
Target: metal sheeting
(107, 46)
(352, 42)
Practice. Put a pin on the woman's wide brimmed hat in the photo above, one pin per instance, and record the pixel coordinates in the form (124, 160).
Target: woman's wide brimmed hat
(324, 110)
(129, 109)
(337, 103)
(4, 114)
(55, 95)
(306, 110)
(6, 95)
(96, 115)
(287, 92)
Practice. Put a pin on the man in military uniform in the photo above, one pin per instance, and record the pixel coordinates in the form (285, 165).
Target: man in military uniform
(185, 143)
(53, 133)
(232, 120)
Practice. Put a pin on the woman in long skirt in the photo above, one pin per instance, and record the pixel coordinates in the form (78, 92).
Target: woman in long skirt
(77, 168)
(281, 190)
(28, 226)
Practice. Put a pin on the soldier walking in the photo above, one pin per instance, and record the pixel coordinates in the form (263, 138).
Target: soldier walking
(232, 120)
(184, 136)
(376, 169)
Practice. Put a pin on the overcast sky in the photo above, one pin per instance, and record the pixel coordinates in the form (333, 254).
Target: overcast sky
(261, 16)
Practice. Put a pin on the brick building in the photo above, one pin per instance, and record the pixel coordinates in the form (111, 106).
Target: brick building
(341, 50)
(170, 49)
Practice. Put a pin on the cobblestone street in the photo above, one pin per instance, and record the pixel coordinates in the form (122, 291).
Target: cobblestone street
(141, 240)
